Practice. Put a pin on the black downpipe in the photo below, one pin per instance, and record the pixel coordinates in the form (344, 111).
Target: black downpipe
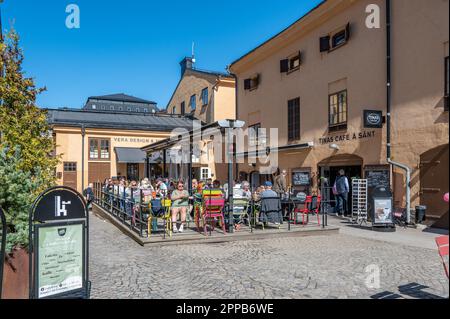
(388, 84)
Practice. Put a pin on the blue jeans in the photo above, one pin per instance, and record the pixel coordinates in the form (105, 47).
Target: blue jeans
(341, 204)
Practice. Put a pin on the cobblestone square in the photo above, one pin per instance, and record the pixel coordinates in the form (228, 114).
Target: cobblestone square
(331, 266)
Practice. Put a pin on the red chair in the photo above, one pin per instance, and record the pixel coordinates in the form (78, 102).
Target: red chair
(442, 243)
(309, 209)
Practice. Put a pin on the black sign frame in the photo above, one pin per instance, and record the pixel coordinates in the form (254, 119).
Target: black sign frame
(2, 247)
(40, 219)
(371, 124)
(304, 173)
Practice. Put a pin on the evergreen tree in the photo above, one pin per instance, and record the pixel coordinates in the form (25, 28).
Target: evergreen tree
(27, 164)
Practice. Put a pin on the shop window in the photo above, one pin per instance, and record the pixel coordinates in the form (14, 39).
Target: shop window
(99, 149)
(446, 91)
(290, 64)
(294, 119)
(193, 102)
(70, 166)
(205, 96)
(252, 83)
(337, 110)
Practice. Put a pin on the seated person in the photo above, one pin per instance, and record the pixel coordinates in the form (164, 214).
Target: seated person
(245, 190)
(180, 204)
(268, 192)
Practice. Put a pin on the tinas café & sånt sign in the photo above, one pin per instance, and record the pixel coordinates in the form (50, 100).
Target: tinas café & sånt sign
(347, 137)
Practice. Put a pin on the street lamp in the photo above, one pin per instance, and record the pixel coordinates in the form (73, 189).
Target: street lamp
(231, 125)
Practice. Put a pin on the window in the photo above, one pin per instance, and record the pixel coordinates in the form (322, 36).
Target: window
(253, 134)
(205, 173)
(193, 102)
(103, 107)
(145, 110)
(446, 91)
(111, 108)
(251, 83)
(290, 64)
(183, 108)
(129, 109)
(294, 119)
(337, 111)
(174, 109)
(120, 108)
(205, 96)
(337, 38)
(99, 148)
(94, 106)
(70, 166)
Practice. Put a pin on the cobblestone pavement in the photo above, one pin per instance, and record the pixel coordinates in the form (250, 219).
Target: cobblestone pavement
(297, 267)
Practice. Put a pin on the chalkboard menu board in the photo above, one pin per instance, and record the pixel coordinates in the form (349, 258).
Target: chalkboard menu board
(377, 176)
(301, 178)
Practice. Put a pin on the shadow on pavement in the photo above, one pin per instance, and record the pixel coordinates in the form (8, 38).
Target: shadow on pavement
(413, 290)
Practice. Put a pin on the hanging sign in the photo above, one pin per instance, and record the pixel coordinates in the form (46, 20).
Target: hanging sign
(59, 253)
(373, 119)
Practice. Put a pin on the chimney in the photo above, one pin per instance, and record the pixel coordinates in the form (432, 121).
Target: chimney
(186, 63)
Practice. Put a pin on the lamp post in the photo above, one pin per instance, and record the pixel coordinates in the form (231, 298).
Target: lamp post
(230, 125)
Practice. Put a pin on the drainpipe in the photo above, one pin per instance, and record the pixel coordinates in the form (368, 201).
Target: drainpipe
(83, 134)
(388, 114)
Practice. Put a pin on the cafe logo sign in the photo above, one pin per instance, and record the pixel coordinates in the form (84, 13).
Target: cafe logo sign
(60, 207)
(373, 119)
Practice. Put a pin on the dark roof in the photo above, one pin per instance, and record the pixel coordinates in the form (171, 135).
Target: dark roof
(281, 32)
(120, 97)
(216, 73)
(93, 119)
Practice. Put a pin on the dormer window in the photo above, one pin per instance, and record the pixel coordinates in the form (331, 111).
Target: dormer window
(290, 64)
(335, 39)
(252, 83)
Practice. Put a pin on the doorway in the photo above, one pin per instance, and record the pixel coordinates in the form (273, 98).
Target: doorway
(132, 172)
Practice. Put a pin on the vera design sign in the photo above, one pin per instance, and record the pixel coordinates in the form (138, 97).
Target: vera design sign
(60, 259)
(373, 119)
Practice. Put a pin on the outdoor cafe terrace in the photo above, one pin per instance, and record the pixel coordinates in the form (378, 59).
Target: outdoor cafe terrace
(147, 218)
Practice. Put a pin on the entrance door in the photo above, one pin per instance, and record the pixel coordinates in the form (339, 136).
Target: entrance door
(434, 182)
(331, 172)
(132, 172)
(70, 175)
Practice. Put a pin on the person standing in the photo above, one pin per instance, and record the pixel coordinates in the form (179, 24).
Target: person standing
(341, 188)
(280, 186)
(89, 194)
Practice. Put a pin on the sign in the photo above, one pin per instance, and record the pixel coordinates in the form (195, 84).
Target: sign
(347, 137)
(373, 119)
(59, 227)
(59, 259)
(383, 210)
(301, 179)
(377, 176)
(2, 247)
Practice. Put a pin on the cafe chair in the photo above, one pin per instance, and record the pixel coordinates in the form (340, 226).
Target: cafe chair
(240, 211)
(213, 207)
(270, 211)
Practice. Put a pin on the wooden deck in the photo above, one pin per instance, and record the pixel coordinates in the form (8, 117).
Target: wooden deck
(192, 236)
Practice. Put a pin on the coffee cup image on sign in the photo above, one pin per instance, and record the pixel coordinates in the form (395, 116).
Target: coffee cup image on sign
(61, 231)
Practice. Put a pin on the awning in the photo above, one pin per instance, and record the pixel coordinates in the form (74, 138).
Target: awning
(130, 155)
(269, 150)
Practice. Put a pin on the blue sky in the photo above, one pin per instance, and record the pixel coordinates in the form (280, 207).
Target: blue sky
(134, 46)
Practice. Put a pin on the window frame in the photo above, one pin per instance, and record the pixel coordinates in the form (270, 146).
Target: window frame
(339, 125)
(193, 102)
(294, 126)
(252, 83)
(99, 141)
(183, 108)
(205, 96)
(72, 164)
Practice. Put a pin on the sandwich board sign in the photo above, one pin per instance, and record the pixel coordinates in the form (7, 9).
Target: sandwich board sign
(59, 252)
